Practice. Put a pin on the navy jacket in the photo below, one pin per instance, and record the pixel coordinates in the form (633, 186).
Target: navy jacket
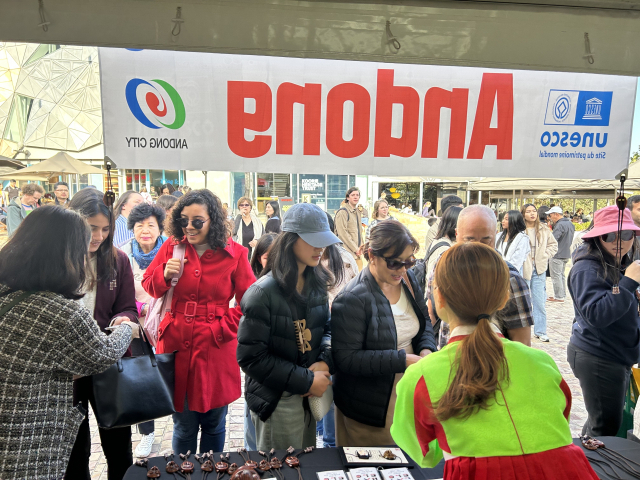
(605, 325)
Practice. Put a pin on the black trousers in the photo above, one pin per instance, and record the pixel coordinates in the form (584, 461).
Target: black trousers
(116, 442)
(604, 385)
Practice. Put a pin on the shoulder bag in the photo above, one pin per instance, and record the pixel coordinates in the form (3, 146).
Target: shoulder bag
(135, 389)
(158, 307)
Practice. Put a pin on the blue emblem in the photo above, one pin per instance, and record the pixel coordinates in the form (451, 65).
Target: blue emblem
(562, 108)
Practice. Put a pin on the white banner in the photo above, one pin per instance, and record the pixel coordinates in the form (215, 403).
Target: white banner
(207, 111)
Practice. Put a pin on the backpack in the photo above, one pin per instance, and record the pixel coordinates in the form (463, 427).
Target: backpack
(420, 268)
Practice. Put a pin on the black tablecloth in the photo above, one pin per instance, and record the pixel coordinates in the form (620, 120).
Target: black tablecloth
(320, 460)
(623, 446)
(324, 459)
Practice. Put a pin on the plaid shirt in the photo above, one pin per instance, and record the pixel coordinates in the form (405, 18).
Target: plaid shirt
(517, 313)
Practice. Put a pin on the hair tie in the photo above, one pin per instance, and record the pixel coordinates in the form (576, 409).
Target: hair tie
(483, 315)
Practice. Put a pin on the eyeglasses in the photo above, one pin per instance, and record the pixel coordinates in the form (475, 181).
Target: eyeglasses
(244, 205)
(196, 223)
(61, 190)
(396, 265)
(625, 235)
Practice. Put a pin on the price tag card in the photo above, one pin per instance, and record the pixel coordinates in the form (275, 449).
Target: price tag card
(396, 474)
(332, 475)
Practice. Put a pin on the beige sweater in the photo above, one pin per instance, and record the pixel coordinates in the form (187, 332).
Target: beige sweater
(542, 249)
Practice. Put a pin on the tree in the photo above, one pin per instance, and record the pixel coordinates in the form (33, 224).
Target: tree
(635, 156)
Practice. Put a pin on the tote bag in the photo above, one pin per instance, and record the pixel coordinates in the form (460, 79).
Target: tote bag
(135, 389)
(158, 307)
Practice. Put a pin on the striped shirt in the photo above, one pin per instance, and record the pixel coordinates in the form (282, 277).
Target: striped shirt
(121, 234)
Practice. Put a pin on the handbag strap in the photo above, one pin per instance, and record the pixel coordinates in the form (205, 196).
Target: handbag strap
(178, 252)
(145, 340)
(14, 302)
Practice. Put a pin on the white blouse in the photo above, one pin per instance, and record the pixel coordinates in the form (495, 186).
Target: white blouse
(407, 323)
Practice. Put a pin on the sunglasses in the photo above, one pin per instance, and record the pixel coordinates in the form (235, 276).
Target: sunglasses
(245, 205)
(196, 223)
(625, 236)
(396, 265)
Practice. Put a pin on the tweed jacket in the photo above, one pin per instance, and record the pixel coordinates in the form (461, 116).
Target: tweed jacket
(46, 339)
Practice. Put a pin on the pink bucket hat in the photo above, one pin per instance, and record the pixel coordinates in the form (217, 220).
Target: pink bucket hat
(606, 221)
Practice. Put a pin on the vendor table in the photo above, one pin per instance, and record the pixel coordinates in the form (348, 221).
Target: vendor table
(324, 459)
(320, 460)
(625, 447)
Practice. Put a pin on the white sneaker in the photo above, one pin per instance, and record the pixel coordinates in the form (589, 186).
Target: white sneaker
(144, 447)
(543, 338)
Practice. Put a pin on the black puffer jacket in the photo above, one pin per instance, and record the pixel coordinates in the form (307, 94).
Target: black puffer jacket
(365, 347)
(267, 350)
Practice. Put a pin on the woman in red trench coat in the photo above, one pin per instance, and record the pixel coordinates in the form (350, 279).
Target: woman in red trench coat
(201, 327)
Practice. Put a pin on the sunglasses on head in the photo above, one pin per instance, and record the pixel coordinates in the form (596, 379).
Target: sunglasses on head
(397, 265)
(196, 223)
(625, 235)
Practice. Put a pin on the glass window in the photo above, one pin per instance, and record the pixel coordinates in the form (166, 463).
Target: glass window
(41, 51)
(294, 188)
(237, 189)
(400, 195)
(272, 185)
(18, 117)
(172, 177)
(337, 186)
(156, 180)
(313, 189)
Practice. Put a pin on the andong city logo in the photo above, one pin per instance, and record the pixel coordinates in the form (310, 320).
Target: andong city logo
(158, 103)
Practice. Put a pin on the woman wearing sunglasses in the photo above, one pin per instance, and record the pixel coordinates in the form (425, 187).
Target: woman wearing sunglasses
(605, 343)
(247, 228)
(378, 328)
(201, 327)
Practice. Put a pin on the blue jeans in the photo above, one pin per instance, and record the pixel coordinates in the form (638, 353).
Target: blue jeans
(327, 428)
(538, 287)
(249, 431)
(187, 424)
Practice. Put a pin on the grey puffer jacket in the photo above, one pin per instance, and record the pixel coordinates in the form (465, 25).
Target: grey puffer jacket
(365, 347)
(267, 348)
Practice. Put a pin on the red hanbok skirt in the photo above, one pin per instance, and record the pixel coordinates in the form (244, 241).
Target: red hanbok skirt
(565, 463)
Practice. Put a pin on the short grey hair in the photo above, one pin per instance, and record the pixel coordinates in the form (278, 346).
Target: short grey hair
(477, 211)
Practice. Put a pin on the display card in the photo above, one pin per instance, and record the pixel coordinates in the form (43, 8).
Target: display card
(375, 455)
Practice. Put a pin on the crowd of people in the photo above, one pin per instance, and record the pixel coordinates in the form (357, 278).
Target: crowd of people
(431, 354)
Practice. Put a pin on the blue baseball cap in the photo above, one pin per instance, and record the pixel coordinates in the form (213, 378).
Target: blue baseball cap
(310, 222)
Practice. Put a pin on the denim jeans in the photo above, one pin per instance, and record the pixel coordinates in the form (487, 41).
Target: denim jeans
(326, 428)
(249, 431)
(186, 425)
(538, 287)
(557, 266)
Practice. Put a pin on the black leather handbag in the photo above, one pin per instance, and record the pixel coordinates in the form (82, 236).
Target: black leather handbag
(135, 389)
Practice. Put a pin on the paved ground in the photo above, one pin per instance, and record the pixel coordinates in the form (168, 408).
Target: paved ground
(559, 328)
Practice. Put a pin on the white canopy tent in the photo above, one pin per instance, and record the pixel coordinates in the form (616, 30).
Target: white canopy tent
(596, 36)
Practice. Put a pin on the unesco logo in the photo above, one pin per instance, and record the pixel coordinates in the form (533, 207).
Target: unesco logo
(562, 108)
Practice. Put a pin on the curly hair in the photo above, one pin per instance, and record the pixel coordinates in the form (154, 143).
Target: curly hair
(142, 211)
(219, 231)
(31, 188)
